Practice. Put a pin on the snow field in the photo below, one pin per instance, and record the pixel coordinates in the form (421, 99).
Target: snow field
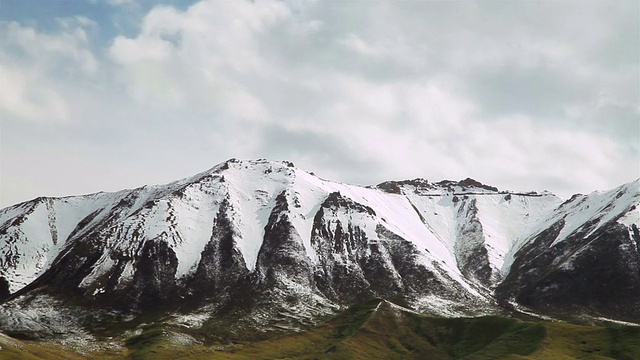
(183, 214)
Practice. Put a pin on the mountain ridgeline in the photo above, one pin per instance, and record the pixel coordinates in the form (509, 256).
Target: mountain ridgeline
(264, 245)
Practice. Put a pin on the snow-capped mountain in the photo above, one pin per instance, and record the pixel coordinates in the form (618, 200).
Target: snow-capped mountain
(583, 257)
(263, 240)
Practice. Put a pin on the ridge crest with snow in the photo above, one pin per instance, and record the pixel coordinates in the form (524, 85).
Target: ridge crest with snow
(279, 234)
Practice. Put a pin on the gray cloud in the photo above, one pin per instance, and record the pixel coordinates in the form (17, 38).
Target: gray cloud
(325, 154)
(540, 92)
(523, 95)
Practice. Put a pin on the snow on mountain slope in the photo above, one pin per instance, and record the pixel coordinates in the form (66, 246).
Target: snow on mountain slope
(427, 219)
(469, 230)
(307, 192)
(582, 258)
(507, 218)
(253, 186)
(497, 220)
(398, 216)
(597, 209)
(182, 213)
(260, 241)
(586, 213)
(32, 234)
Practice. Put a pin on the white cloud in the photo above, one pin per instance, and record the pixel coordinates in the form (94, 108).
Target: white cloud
(21, 96)
(192, 57)
(514, 151)
(129, 51)
(120, 2)
(306, 28)
(32, 61)
(354, 43)
(526, 95)
(49, 51)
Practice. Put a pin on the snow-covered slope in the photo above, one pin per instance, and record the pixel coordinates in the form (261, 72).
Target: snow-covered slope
(585, 215)
(476, 221)
(32, 234)
(182, 213)
(251, 234)
(582, 257)
(593, 211)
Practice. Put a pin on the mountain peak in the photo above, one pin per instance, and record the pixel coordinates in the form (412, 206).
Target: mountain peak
(421, 185)
(254, 162)
(261, 237)
(469, 182)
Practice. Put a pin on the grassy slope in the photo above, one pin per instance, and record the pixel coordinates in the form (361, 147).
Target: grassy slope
(378, 330)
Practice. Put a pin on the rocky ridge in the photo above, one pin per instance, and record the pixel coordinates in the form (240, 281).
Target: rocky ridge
(265, 245)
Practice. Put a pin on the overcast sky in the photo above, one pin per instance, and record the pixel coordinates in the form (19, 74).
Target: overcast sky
(524, 95)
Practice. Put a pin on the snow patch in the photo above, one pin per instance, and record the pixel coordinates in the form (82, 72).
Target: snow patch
(195, 320)
(619, 322)
(530, 313)
(598, 208)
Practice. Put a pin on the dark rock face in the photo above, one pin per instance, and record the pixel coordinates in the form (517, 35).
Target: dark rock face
(353, 267)
(71, 268)
(533, 251)
(597, 274)
(422, 185)
(340, 279)
(154, 279)
(181, 248)
(221, 264)
(4, 289)
(394, 187)
(468, 182)
(343, 251)
(414, 278)
(282, 256)
(471, 253)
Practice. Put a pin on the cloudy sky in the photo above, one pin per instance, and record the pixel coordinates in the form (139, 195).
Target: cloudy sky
(524, 95)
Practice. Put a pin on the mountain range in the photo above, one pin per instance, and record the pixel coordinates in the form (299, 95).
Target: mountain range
(252, 248)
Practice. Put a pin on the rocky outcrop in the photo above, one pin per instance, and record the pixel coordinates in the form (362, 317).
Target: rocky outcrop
(263, 243)
(586, 268)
